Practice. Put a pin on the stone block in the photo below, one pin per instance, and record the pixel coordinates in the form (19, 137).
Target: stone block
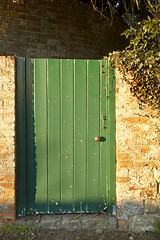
(150, 206)
(141, 223)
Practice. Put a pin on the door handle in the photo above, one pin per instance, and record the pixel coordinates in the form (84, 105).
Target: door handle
(100, 139)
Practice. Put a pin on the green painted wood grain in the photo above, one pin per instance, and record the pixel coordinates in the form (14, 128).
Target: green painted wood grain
(54, 137)
(30, 149)
(20, 138)
(103, 145)
(71, 101)
(67, 133)
(41, 141)
(80, 100)
(111, 136)
(93, 131)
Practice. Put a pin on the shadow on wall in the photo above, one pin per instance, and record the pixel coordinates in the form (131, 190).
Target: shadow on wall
(7, 212)
(63, 29)
(138, 216)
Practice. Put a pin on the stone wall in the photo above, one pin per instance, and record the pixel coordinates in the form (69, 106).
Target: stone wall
(7, 142)
(57, 29)
(138, 155)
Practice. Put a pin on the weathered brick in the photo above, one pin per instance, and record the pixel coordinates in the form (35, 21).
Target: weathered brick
(6, 200)
(138, 164)
(8, 220)
(133, 188)
(123, 179)
(131, 119)
(8, 214)
(151, 164)
(147, 193)
(123, 225)
(9, 193)
(122, 172)
(154, 142)
(7, 185)
(135, 156)
(143, 120)
(122, 156)
(153, 186)
(124, 164)
(145, 149)
(9, 178)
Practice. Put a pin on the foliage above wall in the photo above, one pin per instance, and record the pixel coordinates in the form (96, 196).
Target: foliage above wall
(142, 60)
(142, 57)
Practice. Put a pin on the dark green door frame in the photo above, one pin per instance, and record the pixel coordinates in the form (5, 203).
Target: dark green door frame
(25, 152)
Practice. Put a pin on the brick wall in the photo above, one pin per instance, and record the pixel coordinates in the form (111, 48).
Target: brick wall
(57, 29)
(138, 154)
(7, 143)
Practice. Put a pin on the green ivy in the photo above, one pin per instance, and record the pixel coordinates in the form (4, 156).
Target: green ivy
(142, 59)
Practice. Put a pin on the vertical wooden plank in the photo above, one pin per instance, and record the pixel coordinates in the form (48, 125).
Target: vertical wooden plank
(30, 151)
(67, 126)
(54, 138)
(111, 136)
(93, 131)
(107, 134)
(41, 134)
(103, 145)
(80, 135)
(20, 138)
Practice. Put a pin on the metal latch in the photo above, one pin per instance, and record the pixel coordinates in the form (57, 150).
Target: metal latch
(104, 121)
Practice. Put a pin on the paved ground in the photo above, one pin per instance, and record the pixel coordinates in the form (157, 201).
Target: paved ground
(75, 221)
(70, 234)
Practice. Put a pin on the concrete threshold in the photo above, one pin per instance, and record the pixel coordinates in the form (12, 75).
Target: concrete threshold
(95, 221)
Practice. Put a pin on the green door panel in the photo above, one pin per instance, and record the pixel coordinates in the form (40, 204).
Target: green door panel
(20, 138)
(67, 128)
(29, 143)
(74, 102)
(103, 145)
(111, 148)
(93, 160)
(80, 135)
(54, 136)
(25, 147)
(41, 135)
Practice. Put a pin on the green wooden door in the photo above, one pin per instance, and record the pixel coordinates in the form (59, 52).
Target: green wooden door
(74, 102)
(73, 170)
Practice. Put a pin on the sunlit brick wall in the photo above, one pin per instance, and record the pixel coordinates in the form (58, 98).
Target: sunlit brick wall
(7, 142)
(138, 156)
